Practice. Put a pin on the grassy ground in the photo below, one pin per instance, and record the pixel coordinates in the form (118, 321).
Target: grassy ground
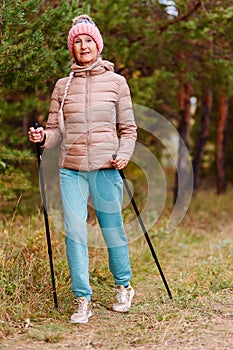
(196, 259)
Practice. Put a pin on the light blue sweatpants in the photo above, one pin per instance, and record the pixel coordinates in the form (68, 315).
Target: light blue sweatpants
(105, 188)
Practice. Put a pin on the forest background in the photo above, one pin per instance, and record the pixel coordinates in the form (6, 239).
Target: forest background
(177, 58)
(178, 64)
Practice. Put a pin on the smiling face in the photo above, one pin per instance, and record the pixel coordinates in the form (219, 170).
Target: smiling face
(85, 50)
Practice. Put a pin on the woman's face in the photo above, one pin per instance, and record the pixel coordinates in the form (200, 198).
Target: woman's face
(85, 50)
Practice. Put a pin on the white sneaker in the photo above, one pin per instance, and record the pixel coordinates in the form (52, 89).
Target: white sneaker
(124, 298)
(83, 312)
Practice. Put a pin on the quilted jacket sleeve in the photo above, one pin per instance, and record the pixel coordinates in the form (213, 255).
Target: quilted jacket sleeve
(126, 123)
(53, 133)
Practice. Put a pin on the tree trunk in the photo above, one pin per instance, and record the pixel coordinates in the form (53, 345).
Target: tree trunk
(221, 142)
(184, 95)
(202, 138)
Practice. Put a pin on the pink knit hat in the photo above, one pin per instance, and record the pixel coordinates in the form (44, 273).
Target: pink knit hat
(84, 25)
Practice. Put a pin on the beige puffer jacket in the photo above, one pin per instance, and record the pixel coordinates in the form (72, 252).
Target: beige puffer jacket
(97, 99)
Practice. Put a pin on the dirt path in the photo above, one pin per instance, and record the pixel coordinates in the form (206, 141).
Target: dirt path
(210, 329)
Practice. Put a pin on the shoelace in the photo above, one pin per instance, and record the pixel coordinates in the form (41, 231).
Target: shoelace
(122, 296)
(81, 306)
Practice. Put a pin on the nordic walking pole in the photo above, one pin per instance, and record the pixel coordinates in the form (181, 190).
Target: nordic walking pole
(46, 221)
(144, 229)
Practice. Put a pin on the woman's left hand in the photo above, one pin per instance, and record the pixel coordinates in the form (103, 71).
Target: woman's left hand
(119, 163)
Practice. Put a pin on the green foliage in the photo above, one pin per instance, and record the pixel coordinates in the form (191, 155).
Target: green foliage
(33, 54)
(33, 43)
(14, 179)
(150, 91)
(224, 75)
(15, 155)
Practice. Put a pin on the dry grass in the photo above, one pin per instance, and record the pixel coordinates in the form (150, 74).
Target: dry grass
(197, 262)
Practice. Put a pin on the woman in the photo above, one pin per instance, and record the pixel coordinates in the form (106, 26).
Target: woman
(88, 110)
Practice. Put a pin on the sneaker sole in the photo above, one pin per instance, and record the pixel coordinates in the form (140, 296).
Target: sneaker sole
(126, 309)
(84, 321)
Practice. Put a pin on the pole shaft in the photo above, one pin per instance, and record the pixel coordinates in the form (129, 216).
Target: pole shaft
(144, 231)
(46, 220)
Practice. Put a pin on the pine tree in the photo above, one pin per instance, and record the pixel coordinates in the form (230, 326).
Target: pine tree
(33, 54)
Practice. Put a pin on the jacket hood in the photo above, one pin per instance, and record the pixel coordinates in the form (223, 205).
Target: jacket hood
(99, 66)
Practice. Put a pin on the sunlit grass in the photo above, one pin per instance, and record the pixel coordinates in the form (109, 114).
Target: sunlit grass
(196, 259)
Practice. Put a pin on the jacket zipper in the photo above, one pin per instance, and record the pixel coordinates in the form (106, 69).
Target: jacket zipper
(87, 118)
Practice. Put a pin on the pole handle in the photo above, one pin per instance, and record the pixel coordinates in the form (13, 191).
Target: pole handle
(38, 151)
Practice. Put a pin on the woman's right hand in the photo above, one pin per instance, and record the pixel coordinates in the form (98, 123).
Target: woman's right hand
(36, 135)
